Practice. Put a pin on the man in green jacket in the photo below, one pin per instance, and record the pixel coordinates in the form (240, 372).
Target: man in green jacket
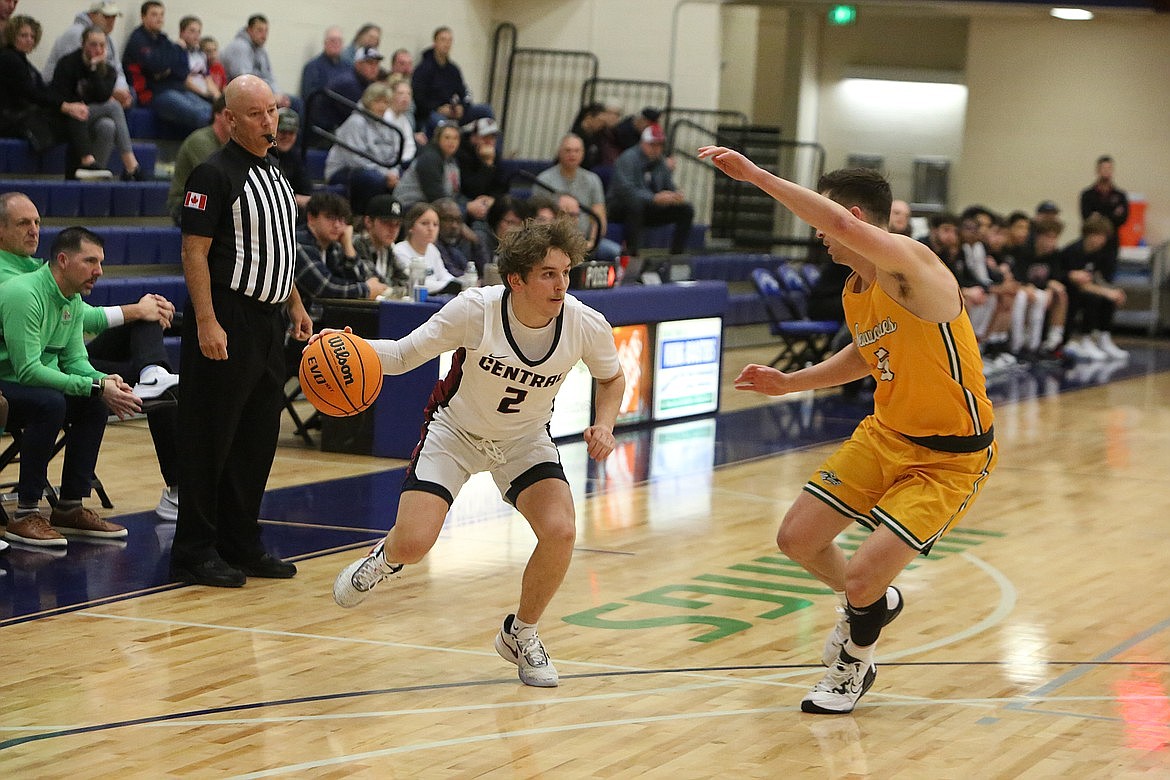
(46, 376)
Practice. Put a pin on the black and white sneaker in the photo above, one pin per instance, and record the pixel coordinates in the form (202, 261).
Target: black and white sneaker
(840, 633)
(528, 653)
(838, 691)
(356, 581)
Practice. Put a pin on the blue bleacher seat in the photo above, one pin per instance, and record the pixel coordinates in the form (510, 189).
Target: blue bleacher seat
(154, 198)
(65, 199)
(128, 245)
(144, 124)
(127, 200)
(315, 163)
(97, 199)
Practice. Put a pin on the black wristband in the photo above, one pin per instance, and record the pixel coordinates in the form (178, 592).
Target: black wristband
(96, 389)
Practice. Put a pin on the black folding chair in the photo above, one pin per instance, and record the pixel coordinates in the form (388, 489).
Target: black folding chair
(802, 340)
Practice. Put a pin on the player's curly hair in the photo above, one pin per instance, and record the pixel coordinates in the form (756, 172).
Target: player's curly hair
(522, 248)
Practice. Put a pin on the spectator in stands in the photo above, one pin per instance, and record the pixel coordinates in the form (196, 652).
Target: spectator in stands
(991, 319)
(943, 238)
(33, 110)
(288, 157)
(434, 174)
(366, 157)
(1029, 307)
(401, 63)
(1104, 198)
(328, 264)
(199, 79)
(382, 222)
(642, 193)
(49, 384)
(1092, 299)
(1046, 210)
(459, 245)
(480, 180)
(158, 69)
(368, 36)
(506, 214)
(900, 217)
(326, 66)
(7, 8)
(628, 132)
(215, 72)
(1019, 234)
(129, 340)
(1041, 269)
(103, 15)
(401, 115)
(86, 75)
(584, 186)
(196, 148)
(422, 230)
(439, 89)
(594, 126)
(246, 54)
(351, 85)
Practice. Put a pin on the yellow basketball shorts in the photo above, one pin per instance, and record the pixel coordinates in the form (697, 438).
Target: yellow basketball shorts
(879, 477)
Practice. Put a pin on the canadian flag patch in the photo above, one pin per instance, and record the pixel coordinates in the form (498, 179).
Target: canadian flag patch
(195, 200)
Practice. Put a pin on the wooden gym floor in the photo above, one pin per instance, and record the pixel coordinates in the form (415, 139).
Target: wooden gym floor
(1035, 642)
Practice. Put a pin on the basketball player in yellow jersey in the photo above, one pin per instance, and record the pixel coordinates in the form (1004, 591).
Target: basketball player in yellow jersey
(913, 467)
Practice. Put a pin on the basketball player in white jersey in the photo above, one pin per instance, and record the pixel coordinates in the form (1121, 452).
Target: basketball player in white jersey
(514, 344)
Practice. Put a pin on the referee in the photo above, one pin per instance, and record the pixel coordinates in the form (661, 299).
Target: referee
(239, 253)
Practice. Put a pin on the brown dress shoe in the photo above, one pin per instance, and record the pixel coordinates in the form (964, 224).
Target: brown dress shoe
(34, 529)
(80, 521)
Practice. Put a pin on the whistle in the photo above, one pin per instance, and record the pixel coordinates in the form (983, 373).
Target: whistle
(270, 138)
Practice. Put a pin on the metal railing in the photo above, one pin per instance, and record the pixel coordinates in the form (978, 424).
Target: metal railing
(541, 100)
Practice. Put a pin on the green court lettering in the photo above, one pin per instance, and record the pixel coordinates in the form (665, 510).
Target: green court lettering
(592, 618)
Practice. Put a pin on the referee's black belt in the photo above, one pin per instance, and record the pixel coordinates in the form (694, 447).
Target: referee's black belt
(956, 444)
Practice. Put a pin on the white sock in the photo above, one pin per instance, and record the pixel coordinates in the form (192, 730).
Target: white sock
(1019, 329)
(519, 626)
(892, 599)
(864, 654)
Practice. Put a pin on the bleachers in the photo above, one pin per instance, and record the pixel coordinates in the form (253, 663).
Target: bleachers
(144, 124)
(129, 245)
(94, 199)
(16, 157)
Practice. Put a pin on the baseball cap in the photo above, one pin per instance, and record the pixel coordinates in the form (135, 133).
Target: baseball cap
(104, 8)
(288, 121)
(383, 207)
(653, 135)
(1048, 207)
(651, 114)
(483, 126)
(367, 53)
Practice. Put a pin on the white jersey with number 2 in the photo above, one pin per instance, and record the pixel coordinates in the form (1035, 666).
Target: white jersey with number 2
(505, 375)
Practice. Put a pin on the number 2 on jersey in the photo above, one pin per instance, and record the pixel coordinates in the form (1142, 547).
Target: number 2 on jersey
(515, 396)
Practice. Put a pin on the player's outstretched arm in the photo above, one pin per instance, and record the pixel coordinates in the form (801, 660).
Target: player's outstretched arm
(845, 366)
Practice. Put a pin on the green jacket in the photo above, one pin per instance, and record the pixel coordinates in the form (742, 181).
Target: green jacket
(42, 342)
(11, 266)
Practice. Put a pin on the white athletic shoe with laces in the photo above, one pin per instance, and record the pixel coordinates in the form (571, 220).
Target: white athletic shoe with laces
(838, 691)
(840, 632)
(356, 581)
(529, 655)
(1105, 344)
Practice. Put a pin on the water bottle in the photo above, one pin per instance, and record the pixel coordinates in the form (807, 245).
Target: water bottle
(418, 279)
(470, 277)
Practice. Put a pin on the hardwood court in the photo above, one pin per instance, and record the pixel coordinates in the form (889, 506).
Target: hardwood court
(1035, 642)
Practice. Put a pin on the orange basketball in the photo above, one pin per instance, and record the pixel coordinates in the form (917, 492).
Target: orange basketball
(340, 374)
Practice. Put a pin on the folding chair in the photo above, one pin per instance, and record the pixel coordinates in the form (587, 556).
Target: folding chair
(802, 340)
(301, 426)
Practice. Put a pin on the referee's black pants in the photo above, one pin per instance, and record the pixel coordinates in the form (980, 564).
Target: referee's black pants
(229, 420)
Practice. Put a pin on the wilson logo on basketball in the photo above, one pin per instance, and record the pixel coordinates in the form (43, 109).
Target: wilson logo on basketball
(341, 356)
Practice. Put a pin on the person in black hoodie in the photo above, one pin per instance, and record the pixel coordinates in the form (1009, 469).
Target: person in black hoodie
(439, 89)
(86, 75)
(158, 68)
(30, 108)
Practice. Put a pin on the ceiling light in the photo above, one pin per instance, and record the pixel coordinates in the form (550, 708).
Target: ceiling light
(1072, 14)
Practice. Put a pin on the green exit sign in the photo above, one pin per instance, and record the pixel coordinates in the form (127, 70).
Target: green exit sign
(843, 14)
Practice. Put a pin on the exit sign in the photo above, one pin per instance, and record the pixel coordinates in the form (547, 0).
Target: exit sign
(843, 14)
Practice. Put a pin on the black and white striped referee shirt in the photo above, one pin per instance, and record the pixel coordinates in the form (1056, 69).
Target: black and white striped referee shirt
(246, 207)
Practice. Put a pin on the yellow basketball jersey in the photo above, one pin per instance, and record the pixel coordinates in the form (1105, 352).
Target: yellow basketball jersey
(929, 375)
